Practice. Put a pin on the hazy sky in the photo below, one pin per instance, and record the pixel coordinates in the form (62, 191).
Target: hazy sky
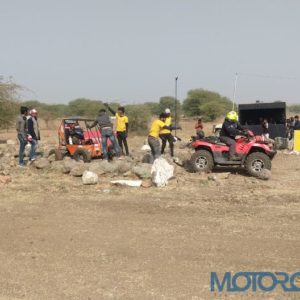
(131, 50)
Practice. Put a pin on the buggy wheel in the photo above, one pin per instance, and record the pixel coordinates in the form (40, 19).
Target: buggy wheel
(58, 154)
(82, 154)
(257, 162)
(202, 161)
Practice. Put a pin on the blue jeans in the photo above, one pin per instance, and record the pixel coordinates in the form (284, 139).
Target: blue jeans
(23, 143)
(105, 134)
(32, 149)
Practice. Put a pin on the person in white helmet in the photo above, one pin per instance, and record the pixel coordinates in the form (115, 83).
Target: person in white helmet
(166, 134)
(33, 132)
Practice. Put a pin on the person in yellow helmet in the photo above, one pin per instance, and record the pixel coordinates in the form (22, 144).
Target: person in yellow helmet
(153, 137)
(231, 128)
(166, 135)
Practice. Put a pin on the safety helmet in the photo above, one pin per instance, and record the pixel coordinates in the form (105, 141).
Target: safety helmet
(33, 112)
(167, 111)
(232, 116)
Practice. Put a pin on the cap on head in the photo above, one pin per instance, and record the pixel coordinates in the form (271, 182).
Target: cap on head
(33, 112)
(232, 116)
(167, 111)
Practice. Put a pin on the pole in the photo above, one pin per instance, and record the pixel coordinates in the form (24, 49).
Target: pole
(234, 90)
(175, 108)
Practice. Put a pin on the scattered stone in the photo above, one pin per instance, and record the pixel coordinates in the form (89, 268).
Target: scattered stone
(147, 158)
(69, 164)
(123, 166)
(224, 175)
(146, 183)
(265, 174)
(4, 169)
(89, 177)
(96, 168)
(142, 170)
(5, 179)
(42, 163)
(108, 167)
(11, 142)
(212, 177)
(78, 170)
(161, 172)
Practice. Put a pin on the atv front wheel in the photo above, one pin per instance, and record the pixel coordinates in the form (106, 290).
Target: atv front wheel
(82, 154)
(256, 162)
(202, 161)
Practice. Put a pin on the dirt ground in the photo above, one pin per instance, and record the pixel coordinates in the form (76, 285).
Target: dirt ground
(62, 240)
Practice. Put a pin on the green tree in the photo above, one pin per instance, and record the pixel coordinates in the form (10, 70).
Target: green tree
(8, 102)
(208, 104)
(84, 107)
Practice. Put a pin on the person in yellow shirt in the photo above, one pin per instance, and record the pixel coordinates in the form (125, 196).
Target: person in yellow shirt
(121, 127)
(166, 134)
(153, 137)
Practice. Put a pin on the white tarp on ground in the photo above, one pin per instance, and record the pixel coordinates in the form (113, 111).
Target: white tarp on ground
(161, 172)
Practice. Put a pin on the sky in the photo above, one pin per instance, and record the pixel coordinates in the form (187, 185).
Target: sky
(130, 51)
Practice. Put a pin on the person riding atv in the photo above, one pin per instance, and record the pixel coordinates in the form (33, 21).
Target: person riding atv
(231, 130)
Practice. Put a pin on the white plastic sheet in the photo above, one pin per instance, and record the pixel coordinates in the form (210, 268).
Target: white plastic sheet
(161, 172)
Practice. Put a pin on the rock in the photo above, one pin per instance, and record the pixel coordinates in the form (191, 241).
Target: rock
(224, 175)
(69, 164)
(78, 170)
(212, 177)
(142, 170)
(4, 169)
(265, 174)
(123, 166)
(5, 179)
(161, 172)
(108, 167)
(147, 158)
(58, 166)
(96, 168)
(89, 177)
(42, 163)
(11, 142)
(146, 183)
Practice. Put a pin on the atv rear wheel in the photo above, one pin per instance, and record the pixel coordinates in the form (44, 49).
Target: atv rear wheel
(57, 153)
(256, 162)
(82, 154)
(202, 161)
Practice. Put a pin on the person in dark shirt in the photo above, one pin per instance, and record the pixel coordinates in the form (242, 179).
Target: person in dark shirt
(34, 133)
(106, 129)
(231, 128)
(297, 123)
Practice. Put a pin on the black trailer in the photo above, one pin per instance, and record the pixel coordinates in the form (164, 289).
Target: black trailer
(250, 117)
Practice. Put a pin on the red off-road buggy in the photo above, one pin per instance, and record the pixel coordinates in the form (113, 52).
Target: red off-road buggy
(253, 153)
(78, 141)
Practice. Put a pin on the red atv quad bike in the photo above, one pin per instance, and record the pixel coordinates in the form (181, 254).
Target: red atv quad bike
(253, 153)
(78, 141)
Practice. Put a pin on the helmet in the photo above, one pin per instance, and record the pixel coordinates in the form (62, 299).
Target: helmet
(232, 116)
(167, 111)
(33, 112)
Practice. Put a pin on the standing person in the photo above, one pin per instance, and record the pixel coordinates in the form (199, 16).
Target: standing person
(265, 128)
(153, 136)
(106, 129)
(199, 129)
(231, 128)
(291, 128)
(21, 127)
(122, 127)
(297, 123)
(166, 135)
(34, 132)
